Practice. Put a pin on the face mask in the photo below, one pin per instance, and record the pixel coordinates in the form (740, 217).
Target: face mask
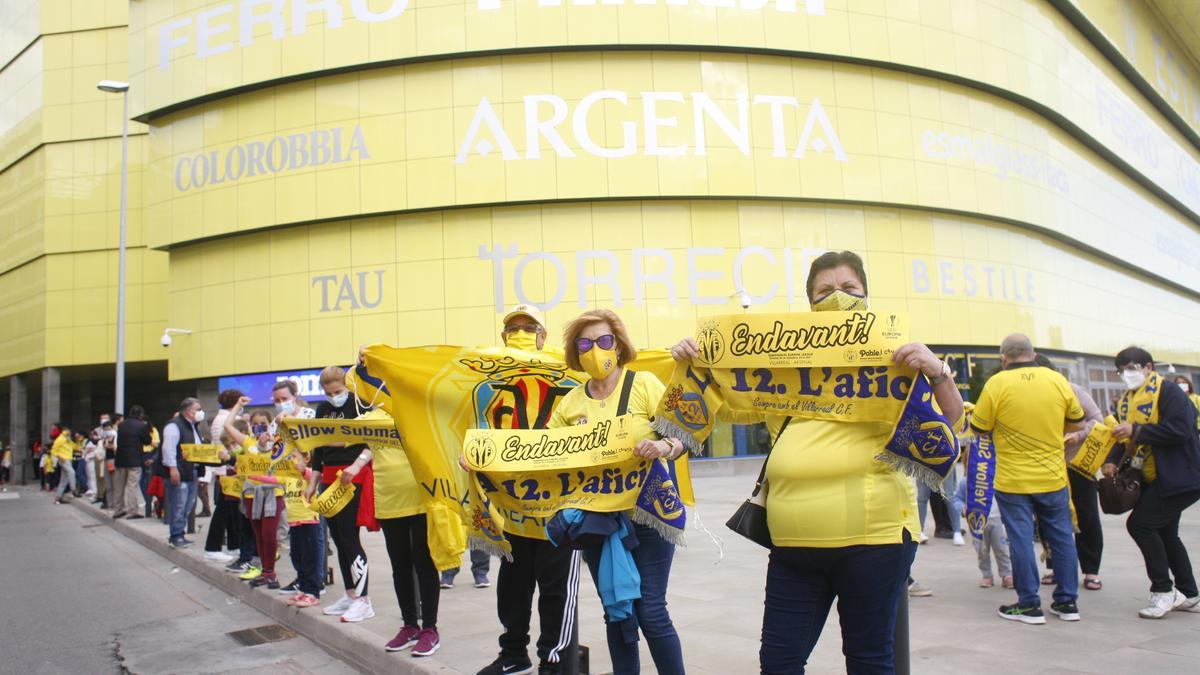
(840, 301)
(598, 362)
(1184, 386)
(286, 407)
(339, 400)
(199, 416)
(523, 340)
(1134, 379)
(259, 429)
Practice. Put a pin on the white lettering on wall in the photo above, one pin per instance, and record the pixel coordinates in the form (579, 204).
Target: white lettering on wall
(345, 294)
(660, 110)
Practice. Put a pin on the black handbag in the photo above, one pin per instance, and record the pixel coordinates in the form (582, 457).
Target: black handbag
(1123, 491)
(750, 520)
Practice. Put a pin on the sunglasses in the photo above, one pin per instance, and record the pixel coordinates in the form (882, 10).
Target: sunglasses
(603, 342)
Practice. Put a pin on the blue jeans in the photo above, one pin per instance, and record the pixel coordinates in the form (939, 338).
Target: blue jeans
(948, 487)
(306, 547)
(181, 500)
(801, 585)
(653, 559)
(1053, 511)
(481, 562)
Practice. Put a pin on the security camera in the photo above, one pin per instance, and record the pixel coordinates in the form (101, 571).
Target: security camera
(165, 340)
(744, 299)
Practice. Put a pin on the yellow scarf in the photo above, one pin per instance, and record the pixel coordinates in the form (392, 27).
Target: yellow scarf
(1094, 450)
(1141, 407)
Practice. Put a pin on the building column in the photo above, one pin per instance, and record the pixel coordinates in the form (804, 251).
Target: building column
(206, 391)
(18, 430)
(51, 400)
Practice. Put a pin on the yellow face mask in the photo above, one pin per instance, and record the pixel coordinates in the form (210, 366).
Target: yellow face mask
(840, 301)
(598, 363)
(523, 340)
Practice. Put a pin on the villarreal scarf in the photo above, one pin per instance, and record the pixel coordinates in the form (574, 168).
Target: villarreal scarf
(534, 474)
(436, 393)
(980, 478)
(763, 379)
(1141, 407)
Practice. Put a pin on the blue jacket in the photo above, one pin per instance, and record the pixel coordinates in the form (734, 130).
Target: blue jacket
(617, 577)
(1174, 442)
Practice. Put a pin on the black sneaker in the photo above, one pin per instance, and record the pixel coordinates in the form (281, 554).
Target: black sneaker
(545, 668)
(1067, 611)
(293, 587)
(508, 666)
(237, 566)
(179, 543)
(1025, 614)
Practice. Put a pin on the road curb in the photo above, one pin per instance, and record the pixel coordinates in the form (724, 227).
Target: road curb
(347, 642)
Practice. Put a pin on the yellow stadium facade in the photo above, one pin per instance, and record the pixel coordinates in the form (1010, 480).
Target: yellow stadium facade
(307, 177)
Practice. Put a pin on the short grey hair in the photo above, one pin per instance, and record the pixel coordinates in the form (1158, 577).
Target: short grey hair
(1017, 344)
(187, 403)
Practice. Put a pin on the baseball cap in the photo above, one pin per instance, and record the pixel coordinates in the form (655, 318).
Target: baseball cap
(524, 309)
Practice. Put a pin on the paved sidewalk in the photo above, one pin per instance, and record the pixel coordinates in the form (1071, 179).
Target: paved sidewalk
(717, 608)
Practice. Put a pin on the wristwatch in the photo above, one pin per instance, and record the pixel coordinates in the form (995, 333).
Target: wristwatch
(945, 375)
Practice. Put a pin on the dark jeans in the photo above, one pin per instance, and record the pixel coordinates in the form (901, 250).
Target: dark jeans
(305, 543)
(535, 563)
(653, 558)
(1154, 526)
(407, 541)
(1053, 511)
(1089, 541)
(352, 558)
(248, 550)
(801, 585)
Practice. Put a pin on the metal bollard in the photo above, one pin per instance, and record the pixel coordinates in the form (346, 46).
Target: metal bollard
(900, 645)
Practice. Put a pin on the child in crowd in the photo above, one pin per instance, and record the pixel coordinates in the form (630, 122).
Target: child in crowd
(994, 542)
(304, 531)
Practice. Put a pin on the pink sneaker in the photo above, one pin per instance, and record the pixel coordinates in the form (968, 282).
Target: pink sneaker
(406, 638)
(427, 643)
(304, 600)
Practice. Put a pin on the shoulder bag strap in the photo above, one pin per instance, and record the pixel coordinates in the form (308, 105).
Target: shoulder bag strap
(626, 389)
(762, 474)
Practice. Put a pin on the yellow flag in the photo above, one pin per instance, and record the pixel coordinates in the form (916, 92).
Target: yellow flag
(201, 453)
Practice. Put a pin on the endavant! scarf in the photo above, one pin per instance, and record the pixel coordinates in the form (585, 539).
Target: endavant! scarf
(838, 386)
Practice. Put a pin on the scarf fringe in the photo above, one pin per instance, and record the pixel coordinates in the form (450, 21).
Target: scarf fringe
(928, 477)
(477, 543)
(671, 534)
(668, 429)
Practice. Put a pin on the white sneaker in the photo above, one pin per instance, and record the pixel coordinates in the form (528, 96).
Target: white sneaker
(360, 610)
(1186, 604)
(923, 538)
(1160, 605)
(339, 608)
(958, 539)
(217, 556)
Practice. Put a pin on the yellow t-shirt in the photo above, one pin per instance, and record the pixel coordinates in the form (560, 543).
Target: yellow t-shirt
(298, 508)
(1025, 407)
(63, 448)
(577, 407)
(825, 489)
(154, 438)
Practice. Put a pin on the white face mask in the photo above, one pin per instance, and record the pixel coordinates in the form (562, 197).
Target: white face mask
(286, 407)
(339, 400)
(1184, 386)
(1134, 379)
(199, 416)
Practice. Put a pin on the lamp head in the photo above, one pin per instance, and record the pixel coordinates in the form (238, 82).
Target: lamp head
(112, 86)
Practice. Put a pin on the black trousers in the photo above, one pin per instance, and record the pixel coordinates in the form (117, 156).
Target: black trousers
(535, 563)
(224, 525)
(352, 558)
(407, 541)
(1089, 541)
(1154, 526)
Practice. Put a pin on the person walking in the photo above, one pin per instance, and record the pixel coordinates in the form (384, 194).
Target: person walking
(133, 435)
(181, 474)
(63, 453)
(1157, 428)
(1026, 409)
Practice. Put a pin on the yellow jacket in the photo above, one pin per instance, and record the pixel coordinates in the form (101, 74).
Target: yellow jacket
(63, 448)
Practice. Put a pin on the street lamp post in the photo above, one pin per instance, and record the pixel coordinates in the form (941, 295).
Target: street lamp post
(122, 88)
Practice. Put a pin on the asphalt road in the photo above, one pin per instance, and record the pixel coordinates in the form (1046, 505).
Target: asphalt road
(77, 597)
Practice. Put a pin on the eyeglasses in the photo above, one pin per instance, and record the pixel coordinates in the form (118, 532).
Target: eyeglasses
(1131, 368)
(603, 342)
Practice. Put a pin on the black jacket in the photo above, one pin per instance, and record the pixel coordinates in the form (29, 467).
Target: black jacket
(1174, 441)
(132, 437)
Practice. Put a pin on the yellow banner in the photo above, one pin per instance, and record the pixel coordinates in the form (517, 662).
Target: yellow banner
(1095, 449)
(202, 453)
(231, 486)
(801, 340)
(260, 464)
(334, 498)
(298, 508)
(521, 450)
(309, 434)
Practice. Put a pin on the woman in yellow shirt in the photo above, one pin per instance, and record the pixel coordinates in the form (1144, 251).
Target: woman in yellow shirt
(842, 524)
(598, 344)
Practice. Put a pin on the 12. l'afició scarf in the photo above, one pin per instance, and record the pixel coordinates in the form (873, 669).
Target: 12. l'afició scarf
(836, 386)
(436, 393)
(533, 474)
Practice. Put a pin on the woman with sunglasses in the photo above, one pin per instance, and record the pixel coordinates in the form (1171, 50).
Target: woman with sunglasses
(598, 344)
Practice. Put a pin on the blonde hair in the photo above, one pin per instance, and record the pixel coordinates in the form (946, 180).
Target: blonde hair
(626, 352)
(332, 374)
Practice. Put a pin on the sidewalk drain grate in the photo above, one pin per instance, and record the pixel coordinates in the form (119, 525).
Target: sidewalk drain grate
(262, 634)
